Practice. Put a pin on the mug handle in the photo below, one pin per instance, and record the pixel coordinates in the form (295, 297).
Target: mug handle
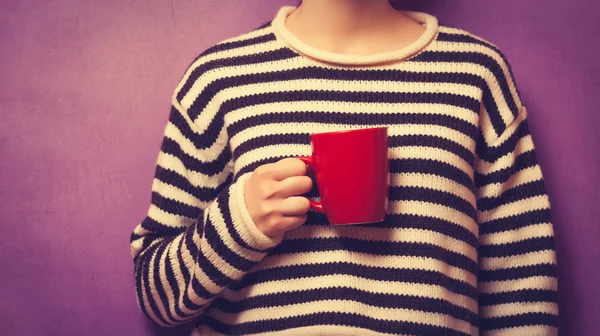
(315, 205)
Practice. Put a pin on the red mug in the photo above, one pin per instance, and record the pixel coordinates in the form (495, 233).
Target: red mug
(351, 170)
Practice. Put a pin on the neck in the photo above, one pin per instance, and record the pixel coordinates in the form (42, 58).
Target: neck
(352, 26)
(340, 18)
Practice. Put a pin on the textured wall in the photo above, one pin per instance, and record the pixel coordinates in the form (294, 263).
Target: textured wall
(84, 97)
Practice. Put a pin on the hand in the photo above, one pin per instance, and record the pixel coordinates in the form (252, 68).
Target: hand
(271, 196)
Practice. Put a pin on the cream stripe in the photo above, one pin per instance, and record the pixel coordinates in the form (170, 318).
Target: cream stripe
(369, 260)
(351, 107)
(369, 285)
(435, 211)
(531, 231)
(223, 233)
(167, 286)
(213, 257)
(521, 177)
(524, 145)
(289, 150)
(384, 234)
(342, 306)
(174, 193)
(528, 259)
(518, 308)
(515, 208)
(338, 85)
(153, 290)
(526, 330)
(241, 51)
(538, 282)
(169, 219)
(469, 47)
(181, 285)
(189, 148)
(434, 182)
(173, 163)
(144, 284)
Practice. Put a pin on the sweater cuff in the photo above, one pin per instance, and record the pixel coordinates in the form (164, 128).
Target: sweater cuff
(243, 222)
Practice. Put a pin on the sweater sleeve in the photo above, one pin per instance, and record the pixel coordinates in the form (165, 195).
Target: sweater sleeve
(517, 264)
(197, 236)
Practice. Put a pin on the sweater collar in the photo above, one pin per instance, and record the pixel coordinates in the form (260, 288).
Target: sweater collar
(286, 37)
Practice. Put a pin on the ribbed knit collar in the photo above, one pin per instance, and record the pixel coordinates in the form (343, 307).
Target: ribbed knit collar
(291, 41)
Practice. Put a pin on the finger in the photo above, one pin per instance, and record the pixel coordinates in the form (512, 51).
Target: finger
(288, 167)
(295, 205)
(294, 221)
(293, 186)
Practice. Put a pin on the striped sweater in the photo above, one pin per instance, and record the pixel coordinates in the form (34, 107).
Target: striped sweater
(467, 246)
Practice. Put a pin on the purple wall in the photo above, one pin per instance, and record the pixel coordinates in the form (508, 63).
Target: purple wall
(84, 97)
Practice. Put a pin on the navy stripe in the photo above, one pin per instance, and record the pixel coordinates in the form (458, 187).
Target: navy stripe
(405, 193)
(172, 279)
(382, 300)
(522, 320)
(516, 248)
(492, 66)
(146, 280)
(434, 142)
(191, 163)
(223, 204)
(139, 280)
(208, 92)
(518, 193)
(162, 294)
(522, 162)
(379, 248)
(175, 207)
(230, 257)
(198, 289)
(522, 295)
(516, 273)
(408, 221)
(393, 141)
(434, 167)
(516, 222)
(206, 265)
(328, 318)
(204, 140)
(508, 146)
(160, 229)
(397, 275)
(357, 97)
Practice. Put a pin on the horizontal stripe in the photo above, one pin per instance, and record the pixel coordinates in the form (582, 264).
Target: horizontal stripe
(516, 273)
(344, 293)
(508, 145)
(519, 320)
(516, 248)
(523, 295)
(516, 221)
(397, 193)
(193, 164)
(208, 93)
(431, 291)
(217, 244)
(306, 271)
(517, 193)
(353, 320)
(522, 162)
(376, 248)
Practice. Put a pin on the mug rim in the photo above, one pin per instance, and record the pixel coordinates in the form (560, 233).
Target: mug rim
(349, 131)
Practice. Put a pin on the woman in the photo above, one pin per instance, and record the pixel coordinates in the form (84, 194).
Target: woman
(230, 242)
